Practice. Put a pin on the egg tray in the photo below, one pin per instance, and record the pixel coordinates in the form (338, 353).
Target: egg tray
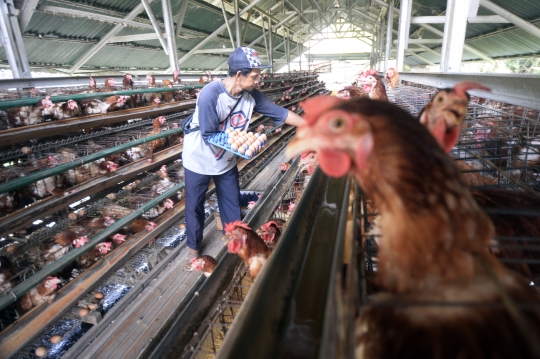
(219, 139)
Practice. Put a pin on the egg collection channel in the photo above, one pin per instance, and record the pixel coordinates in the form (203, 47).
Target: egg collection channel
(241, 143)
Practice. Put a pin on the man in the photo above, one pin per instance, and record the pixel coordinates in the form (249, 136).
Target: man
(220, 105)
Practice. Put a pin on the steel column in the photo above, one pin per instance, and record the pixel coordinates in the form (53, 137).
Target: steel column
(169, 29)
(389, 27)
(215, 33)
(12, 40)
(245, 28)
(381, 37)
(270, 47)
(155, 25)
(180, 20)
(403, 36)
(105, 39)
(514, 19)
(227, 23)
(454, 35)
(237, 24)
(26, 12)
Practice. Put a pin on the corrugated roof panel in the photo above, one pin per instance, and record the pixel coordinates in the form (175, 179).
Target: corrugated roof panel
(54, 52)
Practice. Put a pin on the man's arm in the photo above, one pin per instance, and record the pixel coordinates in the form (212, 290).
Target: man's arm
(294, 120)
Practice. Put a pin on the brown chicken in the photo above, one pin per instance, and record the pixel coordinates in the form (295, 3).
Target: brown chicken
(204, 263)
(151, 80)
(150, 147)
(243, 241)
(444, 116)
(352, 92)
(167, 83)
(433, 254)
(29, 115)
(127, 82)
(45, 292)
(61, 245)
(66, 110)
(7, 271)
(117, 212)
(92, 85)
(284, 166)
(378, 91)
(109, 85)
(176, 79)
(270, 233)
(366, 86)
(392, 77)
(86, 260)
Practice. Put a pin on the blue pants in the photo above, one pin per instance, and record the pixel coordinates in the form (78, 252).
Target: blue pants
(228, 194)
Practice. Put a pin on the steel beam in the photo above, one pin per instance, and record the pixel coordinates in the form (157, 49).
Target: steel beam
(454, 35)
(171, 38)
(514, 19)
(245, 27)
(155, 25)
(471, 49)
(473, 8)
(389, 31)
(12, 41)
(214, 34)
(300, 14)
(403, 36)
(227, 23)
(237, 24)
(94, 50)
(93, 16)
(489, 19)
(180, 17)
(138, 37)
(26, 12)
(516, 89)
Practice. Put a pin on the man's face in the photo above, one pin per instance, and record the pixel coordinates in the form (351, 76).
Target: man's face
(251, 80)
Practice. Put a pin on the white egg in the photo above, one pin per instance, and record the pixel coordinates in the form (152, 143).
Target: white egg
(56, 339)
(41, 351)
(241, 150)
(249, 153)
(234, 146)
(229, 130)
(230, 140)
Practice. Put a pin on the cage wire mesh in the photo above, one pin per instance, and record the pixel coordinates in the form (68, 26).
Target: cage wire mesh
(208, 339)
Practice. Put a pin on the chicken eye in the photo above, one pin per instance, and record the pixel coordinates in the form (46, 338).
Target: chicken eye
(440, 99)
(337, 124)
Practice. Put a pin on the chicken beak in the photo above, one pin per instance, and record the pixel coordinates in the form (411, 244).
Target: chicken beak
(300, 143)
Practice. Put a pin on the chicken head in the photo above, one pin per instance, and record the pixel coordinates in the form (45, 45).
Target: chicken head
(444, 114)
(236, 235)
(81, 241)
(51, 282)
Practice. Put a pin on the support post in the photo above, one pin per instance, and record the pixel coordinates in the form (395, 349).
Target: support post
(454, 35)
(227, 23)
(169, 29)
(403, 35)
(237, 24)
(389, 29)
(381, 37)
(180, 18)
(270, 47)
(27, 10)
(155, 24)
(12, 40)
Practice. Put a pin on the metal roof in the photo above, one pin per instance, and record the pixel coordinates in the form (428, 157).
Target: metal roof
(60, 32)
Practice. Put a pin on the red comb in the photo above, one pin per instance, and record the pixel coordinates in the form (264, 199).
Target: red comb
(229, 227)
(461, 88)
(268, 224)
(315, 106)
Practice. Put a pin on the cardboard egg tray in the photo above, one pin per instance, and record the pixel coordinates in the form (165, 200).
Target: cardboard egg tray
(220, 139)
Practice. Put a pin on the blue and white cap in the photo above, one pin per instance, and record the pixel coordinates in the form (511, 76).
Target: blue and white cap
(245, 58)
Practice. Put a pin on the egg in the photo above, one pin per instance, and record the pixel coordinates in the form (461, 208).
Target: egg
(250, 133)
(181, 226)
(257, 143)
(230, 140)
(72, 216)
(249, 153)
(83, 312)
(81, 212)
(257, 134)
(246, 146)
(234, 146)
(56, 339)
(41, 351)
(229, 130)
(98, 295)
(92, 306)
(242, 150)
(26, 150)
(252, 148)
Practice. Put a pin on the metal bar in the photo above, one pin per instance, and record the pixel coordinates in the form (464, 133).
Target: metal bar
(517, 89)
(13, 25)
(95, 49)
(246, 27)
(8, 41)
(17, 291)
(473, 8)
(169, 29)
(513, 18)
(155, 25)
(379, 57)
(424, 47)
(215, 33)
(26, 12)
(227, 23)
(366, 17)
(138, 37)
(389, 27)
(300, 14)
(93, 16)
(314, 2)
(466, 47)
(237, 24)
(30, 101)
(488, 19)
(180, 18)
(403, 36)
(420, 57)
(36, 176)
(271, 47)
(300, 266)
(454, 35)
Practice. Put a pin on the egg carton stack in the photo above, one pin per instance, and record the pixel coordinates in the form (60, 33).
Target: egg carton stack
(242, 143)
